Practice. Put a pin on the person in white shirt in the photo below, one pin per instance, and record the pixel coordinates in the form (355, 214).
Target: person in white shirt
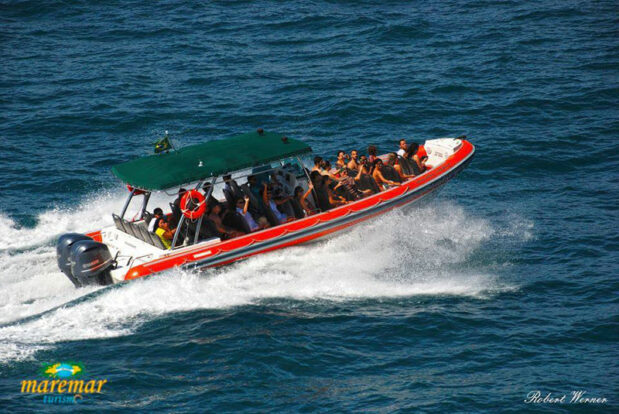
(242, 207)
(153, 224)
(403, 147)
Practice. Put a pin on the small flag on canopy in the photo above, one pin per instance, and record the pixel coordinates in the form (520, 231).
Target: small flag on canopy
(163, 144)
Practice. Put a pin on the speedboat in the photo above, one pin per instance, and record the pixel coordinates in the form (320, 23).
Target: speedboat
(126, 250)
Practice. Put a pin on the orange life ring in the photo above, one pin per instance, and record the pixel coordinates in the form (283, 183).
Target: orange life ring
(197, 211)
(136, 191)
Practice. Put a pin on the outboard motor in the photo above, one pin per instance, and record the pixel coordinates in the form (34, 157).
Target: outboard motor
(63, 252)
(91, 263)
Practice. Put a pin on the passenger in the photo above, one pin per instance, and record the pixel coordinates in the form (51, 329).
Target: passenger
(271, 203)
(392, 162)
(165, 233)
(325, 169)
(320, 191)
(254, 200)
(254, 187)
(231, 190)
(224, 231)
(342, 159)
(306, 207)
(353, 164)
(242, 208)
(379, 177)
(207, 229)
(153, 224)
(415, 163)
(276, 185)
(208, 194)
(422, 155)
(364, 179)
(388, 171)
(349, 186)
(372, 153)
(403, 147)
(176, 207)
(331, 187)
(317, 162)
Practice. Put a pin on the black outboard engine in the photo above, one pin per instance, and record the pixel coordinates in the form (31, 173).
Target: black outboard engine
(91, 263)
(63, 252)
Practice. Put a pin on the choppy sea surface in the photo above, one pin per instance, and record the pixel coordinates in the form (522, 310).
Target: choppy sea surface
(506, 283)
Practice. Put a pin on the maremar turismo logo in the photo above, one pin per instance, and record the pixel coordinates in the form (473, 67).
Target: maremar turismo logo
(64, 383)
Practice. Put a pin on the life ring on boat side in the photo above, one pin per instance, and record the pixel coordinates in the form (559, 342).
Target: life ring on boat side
(135, 190)
(197, 207)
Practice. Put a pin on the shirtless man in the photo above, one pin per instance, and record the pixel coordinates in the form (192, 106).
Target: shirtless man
(317, 162)
(378, 176)
(353, 164)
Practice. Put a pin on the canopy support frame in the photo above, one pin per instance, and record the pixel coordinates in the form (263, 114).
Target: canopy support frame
(208, 194)
(126, 206)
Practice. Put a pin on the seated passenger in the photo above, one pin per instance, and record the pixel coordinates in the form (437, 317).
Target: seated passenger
(325, 169)
(153, 224)
(207, 229)
(422, 155)
(254, 187)
(224, 231)
(176, 207)
(277, 187)
(392, 161)
(231, 190)
(306, 207)
(389, 172)
(379, 177)
(242, 208)
(320, 191)
(364, 179)
(271, 204)
(349, 186)
(353, 164)
(342, 159)
(317, 162)
(403, 147)
(372, 153)
(331, 185)
(208, 194)
(254, 197)
(415, 163)
(165, 233)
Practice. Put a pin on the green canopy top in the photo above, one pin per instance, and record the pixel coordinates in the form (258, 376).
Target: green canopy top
(197, 162)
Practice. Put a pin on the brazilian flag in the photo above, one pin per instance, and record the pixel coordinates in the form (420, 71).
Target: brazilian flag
(163, 144)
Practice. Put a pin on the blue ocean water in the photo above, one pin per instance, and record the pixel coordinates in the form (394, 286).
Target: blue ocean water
(505, 284)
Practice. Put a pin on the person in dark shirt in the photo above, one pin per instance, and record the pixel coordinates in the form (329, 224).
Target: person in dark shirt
(231, 190)
(176, 207)
(322, 196)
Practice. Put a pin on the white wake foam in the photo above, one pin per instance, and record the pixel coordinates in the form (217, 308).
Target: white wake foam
(392, 256)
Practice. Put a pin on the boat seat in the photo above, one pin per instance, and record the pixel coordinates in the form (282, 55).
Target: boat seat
(118, 222)
(144, 233)
(132, 230)
(156, 241)
(147, 217)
